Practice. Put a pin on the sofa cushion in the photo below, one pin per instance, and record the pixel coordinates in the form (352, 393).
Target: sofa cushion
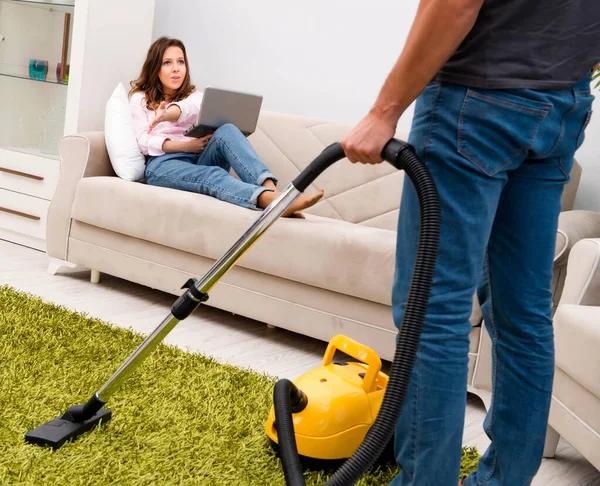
(577, 337)
(355, 193)
(335, 255)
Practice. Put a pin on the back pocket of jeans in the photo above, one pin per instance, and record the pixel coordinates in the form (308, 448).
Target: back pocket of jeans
(496, 131)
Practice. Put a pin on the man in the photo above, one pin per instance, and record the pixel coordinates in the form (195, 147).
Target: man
(504, 98)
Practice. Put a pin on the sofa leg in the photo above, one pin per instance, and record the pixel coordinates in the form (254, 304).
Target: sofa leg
(552, 437)
(95, 276)
(55, 265)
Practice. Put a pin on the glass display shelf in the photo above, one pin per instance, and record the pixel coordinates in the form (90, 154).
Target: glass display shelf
(64, 5)
(35, 38)
(36, 124)
(22, 72)
(46, 154)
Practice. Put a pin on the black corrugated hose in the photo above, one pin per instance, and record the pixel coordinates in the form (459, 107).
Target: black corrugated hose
(283, 394)
(406, 347)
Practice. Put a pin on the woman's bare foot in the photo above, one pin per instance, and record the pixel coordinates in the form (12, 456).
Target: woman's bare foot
(305, 201)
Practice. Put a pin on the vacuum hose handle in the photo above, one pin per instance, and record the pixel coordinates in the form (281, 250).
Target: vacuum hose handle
(391, 153)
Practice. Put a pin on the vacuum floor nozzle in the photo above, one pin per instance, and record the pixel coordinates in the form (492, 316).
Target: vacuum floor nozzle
(64, 428)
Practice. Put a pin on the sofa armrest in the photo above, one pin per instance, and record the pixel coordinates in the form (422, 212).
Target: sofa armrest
(582, 283)
(573, 226)
(577, 338)
(81, 155)
(576, 225)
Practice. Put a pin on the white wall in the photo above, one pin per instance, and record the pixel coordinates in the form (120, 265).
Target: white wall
(588, 156)
(318, 58)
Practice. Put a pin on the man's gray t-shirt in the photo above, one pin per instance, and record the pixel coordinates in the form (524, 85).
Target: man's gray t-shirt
(540, 44)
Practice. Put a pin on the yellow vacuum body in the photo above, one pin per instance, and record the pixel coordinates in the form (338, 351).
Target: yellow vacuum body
(343, 402)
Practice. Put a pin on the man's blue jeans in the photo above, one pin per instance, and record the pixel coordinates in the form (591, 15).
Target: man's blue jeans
(500, 160)
(208, 172)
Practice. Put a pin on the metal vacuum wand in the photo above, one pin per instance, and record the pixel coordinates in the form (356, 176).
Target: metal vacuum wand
(198, 290)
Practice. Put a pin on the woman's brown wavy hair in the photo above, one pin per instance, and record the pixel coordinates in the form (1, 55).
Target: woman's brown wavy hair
(149, 81)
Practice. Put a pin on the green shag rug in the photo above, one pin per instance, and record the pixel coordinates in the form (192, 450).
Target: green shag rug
(180, 419)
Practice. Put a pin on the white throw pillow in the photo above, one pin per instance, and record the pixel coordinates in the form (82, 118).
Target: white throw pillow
(127, 160)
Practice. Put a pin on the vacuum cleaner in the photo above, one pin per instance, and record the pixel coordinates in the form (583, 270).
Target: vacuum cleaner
(345, 398)
(289, 399)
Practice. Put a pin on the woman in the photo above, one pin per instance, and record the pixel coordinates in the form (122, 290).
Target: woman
(164, 105)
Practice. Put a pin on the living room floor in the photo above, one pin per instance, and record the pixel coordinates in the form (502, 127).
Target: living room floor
(228, 338)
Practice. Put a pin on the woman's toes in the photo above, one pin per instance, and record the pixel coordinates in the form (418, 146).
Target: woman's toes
(313, 198)
(303, 202)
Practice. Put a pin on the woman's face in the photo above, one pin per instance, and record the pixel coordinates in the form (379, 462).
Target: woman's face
(173, 70)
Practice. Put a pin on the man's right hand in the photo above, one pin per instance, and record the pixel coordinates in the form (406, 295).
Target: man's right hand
(365, 142)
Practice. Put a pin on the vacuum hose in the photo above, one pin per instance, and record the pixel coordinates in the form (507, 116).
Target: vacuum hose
(403, 157)
(285, 396)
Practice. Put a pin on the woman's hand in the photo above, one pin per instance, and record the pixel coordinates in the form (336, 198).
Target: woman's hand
(197, 145)
(192, 146)
(161, 115)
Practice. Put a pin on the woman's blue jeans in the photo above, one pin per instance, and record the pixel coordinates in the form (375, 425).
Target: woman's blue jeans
(500, 160)
(208, 172)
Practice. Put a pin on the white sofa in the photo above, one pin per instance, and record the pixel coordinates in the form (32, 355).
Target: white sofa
(575, 409)
(329, 274)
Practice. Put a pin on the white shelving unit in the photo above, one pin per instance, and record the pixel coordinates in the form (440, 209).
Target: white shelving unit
(104, 42)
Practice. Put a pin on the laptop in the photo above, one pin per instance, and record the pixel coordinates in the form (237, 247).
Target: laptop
(221, 106)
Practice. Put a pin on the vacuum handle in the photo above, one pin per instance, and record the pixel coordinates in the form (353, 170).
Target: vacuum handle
(330, 155)
(359, 352)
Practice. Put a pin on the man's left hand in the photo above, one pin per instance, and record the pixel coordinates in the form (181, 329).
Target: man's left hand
(366, 140)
